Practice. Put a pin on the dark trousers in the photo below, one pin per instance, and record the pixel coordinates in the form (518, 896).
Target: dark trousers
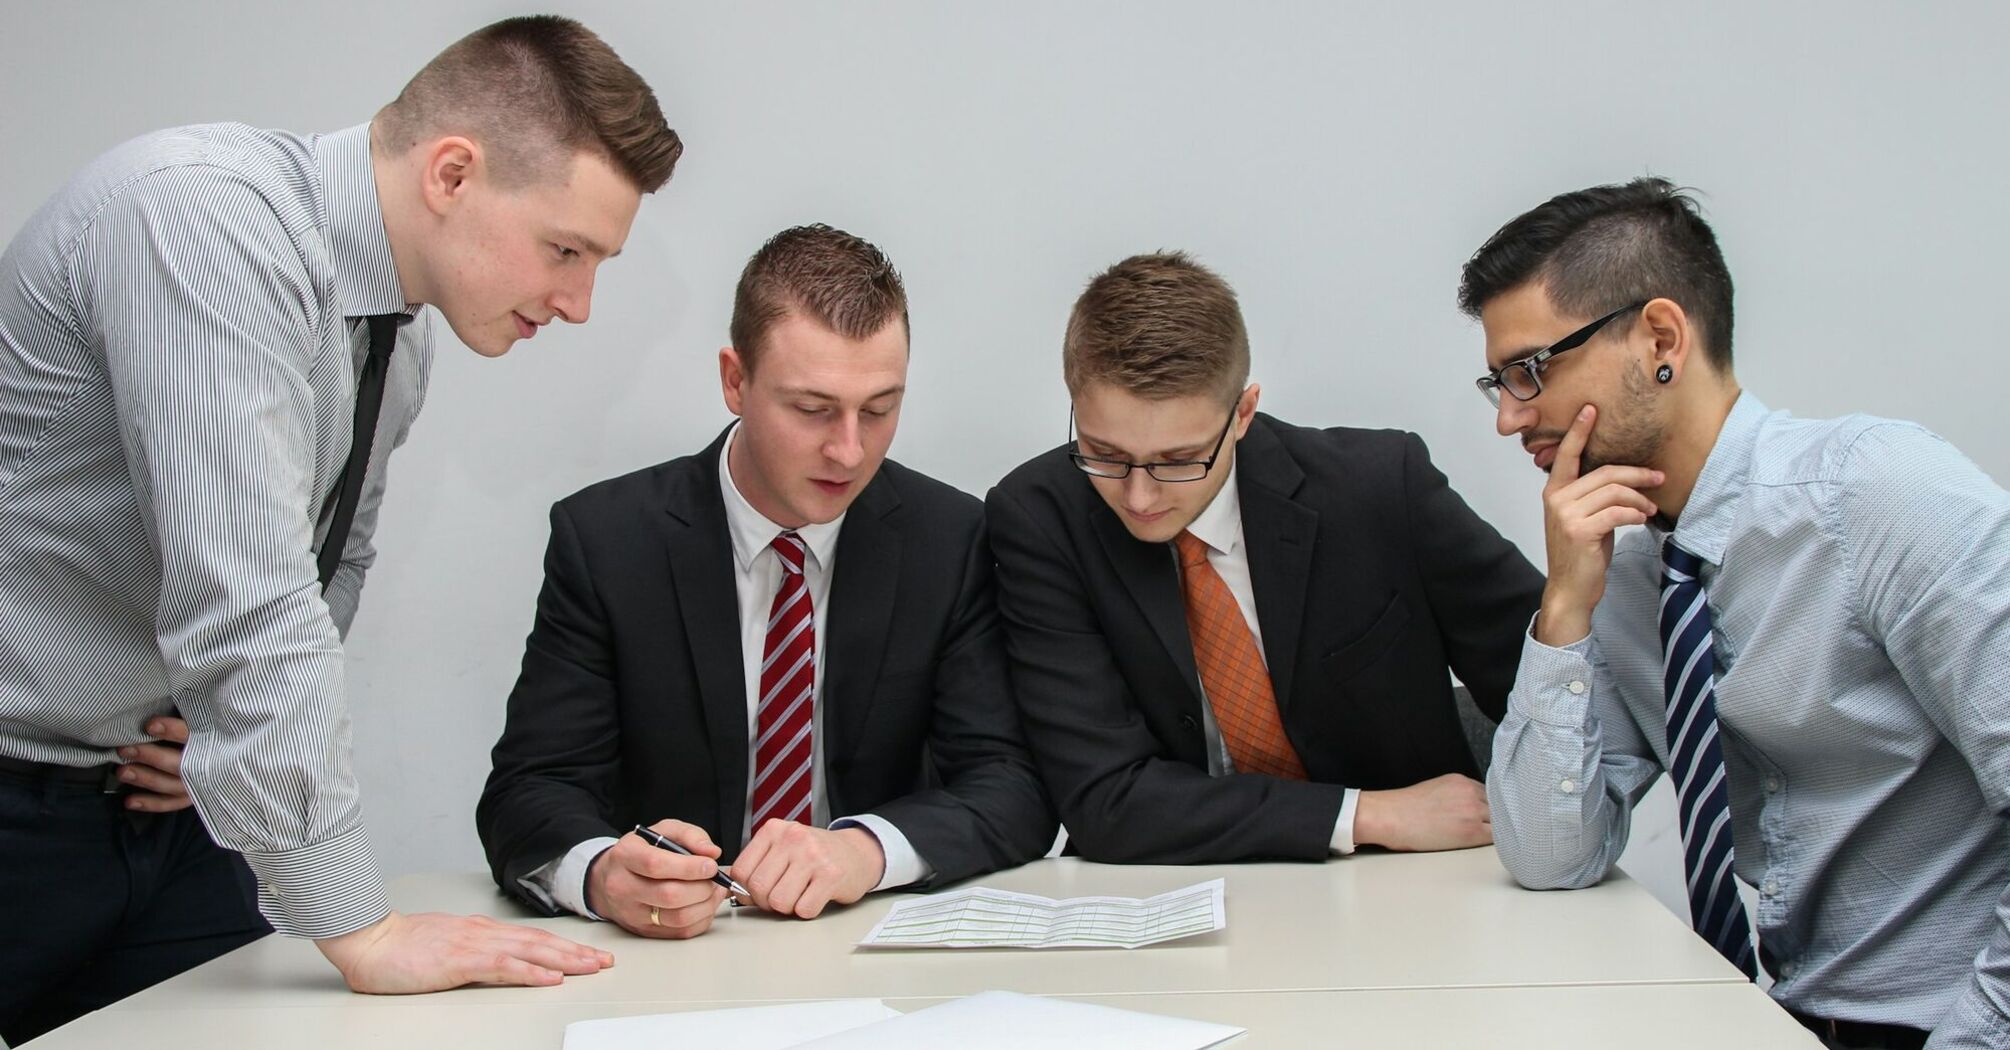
(97, 903)
(1860, 1035)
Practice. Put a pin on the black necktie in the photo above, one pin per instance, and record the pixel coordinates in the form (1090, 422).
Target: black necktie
(369, 400)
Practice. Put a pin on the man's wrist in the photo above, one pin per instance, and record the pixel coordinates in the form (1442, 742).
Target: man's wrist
(1561, 623)
(1368, 819)
(872, 856)
(903, 866)
(589, 890)
(343, 950)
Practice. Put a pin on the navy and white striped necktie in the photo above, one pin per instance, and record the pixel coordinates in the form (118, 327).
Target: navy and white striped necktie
(1696, 761)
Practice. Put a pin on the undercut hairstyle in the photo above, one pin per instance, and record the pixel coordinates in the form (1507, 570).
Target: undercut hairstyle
(841, 282)
(534, 92)
(1157, 326)
(1597, 250)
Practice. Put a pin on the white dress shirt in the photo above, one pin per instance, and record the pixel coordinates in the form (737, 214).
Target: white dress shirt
(757, 575)
(1220, 527)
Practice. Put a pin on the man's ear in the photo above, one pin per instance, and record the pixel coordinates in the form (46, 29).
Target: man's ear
(451, 166)
(732, 379)
(1672, 336)
(1245, 408)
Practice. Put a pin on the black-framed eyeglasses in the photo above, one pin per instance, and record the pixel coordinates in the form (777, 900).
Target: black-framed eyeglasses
(1523, 378)
(1175, 470)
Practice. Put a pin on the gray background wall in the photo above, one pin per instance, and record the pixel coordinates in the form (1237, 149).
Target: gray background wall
(1337, 162)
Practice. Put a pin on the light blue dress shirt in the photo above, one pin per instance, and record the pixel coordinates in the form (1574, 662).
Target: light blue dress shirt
(1858, 573)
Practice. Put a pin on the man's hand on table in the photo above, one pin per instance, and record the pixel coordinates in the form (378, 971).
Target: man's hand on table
(795, 869)
(431, 952)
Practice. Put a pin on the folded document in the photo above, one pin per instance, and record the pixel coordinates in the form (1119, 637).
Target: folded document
(985, 918)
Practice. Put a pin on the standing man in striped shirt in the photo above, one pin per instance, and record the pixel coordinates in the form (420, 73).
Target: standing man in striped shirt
(205, 363)
(1811, 636)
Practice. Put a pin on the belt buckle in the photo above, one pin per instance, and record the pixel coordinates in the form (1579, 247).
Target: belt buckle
(111, 785)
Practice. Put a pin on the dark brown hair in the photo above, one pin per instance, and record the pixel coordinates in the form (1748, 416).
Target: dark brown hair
(837, 280)
(533, 92)
(1158, 326)
(1596, 250)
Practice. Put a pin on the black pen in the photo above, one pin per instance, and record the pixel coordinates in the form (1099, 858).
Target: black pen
(719, 876)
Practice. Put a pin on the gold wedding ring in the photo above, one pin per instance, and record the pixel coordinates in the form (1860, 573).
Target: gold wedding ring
(655, 917)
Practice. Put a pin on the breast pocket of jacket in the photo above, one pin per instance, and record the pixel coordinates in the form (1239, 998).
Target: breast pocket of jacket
(1351, 657)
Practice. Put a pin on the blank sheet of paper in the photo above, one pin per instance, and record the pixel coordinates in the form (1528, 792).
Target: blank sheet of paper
(985, 918)
(752, 1028)
(1023, 1022)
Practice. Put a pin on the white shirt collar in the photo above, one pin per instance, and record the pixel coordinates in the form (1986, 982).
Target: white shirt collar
(751, 530)
(1219, 525)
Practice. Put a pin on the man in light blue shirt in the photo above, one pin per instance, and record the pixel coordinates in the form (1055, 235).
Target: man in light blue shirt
(1811, 636)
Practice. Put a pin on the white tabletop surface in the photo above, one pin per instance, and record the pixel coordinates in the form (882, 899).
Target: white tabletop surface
(1638, 1017)
(1371, 921)
(1371, 950)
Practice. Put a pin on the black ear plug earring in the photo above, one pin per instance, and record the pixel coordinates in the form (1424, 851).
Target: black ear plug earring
(1664, 374)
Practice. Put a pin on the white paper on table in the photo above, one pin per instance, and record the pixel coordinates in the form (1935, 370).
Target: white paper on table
(751, 1028)
(1011, 1020)
(987, 918)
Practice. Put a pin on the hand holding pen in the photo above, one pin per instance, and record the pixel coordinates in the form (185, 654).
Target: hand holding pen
(663, 881)
(719, 877)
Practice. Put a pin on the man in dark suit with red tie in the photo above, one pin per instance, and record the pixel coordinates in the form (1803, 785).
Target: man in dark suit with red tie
(781, 653)
(1230, 637)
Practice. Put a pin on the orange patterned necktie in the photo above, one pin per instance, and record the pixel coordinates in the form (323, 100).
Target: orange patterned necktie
(1231, 669)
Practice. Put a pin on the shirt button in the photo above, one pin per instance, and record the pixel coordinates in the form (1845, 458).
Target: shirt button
(1576, 688)
(1772, 784)
(1771, 887)
(1567, 786)
(1787, 969)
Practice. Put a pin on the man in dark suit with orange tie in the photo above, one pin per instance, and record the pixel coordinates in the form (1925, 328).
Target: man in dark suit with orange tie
(1230, 636)
(782, 653)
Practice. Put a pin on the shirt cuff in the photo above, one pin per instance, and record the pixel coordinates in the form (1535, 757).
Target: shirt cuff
(320, 891)
(561, 882)
(1553, 685)
(1343, 829)
(904, 867)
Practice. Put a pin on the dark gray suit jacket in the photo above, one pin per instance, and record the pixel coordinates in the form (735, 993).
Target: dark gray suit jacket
(1371, 577)
(632, 705)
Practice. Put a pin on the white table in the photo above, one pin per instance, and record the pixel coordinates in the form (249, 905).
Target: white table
(1637, 1017)
(1392, 949)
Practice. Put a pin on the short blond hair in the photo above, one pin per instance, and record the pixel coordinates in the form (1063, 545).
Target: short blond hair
(1158, 326)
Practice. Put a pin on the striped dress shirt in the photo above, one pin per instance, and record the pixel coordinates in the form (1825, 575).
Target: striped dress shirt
(180, 332)
(1858, 577)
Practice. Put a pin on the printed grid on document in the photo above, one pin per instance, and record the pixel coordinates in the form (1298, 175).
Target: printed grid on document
(987, 917)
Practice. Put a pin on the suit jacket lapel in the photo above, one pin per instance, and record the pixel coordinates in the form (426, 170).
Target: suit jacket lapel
(864, 585)
(1278, 533)
(701, 562)
(1148, 573)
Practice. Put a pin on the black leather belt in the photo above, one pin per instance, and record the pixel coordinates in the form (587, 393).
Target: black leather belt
(103, 777)
(1862, 1033)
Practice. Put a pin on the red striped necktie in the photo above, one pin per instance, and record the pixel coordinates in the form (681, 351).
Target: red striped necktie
(788, 679)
